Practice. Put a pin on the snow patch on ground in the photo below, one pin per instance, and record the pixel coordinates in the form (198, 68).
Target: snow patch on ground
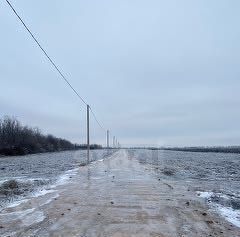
(17, 203)
(49, 200)
(230, 214)
(42, 192)
(32, 218)
(63, 179)
(204, 195)
(16, 215)
(27, 217)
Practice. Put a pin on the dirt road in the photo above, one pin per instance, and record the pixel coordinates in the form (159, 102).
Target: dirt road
(115, 197)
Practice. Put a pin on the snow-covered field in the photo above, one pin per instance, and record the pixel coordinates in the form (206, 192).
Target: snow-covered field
(38, 174)
(214, 176)
(192, 194)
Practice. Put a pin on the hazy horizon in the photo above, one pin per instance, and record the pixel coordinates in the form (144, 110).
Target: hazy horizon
(157, 73)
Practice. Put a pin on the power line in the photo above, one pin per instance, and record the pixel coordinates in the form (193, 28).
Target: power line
(53, 63)
(100, 125)
(45, 53)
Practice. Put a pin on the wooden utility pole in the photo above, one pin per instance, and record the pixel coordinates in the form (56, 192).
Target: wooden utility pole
(108, 139)
(88, 139)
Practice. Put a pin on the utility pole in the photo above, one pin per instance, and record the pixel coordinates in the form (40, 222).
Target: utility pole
(107, 139)
(113, 141)
(88, 139)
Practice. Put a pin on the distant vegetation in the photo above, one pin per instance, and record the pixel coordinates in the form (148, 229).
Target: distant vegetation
(220, 149)
(92, 146)
(16, 139)
(228, 149)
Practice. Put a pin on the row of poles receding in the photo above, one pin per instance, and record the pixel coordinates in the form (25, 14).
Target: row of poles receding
(115, 144)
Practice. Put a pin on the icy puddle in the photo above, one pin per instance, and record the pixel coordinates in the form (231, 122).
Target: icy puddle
(117, 196)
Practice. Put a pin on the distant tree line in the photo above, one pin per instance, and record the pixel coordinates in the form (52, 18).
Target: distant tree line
(222, 149)
(92, 146)
(16, 139)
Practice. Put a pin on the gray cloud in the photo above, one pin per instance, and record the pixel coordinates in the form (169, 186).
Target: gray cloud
(156, 72)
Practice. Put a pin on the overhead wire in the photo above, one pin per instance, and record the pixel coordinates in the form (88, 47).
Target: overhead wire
(45, 53)
(53, 63)
(95, 117)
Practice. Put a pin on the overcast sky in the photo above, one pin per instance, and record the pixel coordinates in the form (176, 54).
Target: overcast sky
(155, 72)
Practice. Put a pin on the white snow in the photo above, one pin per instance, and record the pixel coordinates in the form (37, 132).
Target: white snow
(34, 217)
(65, 177)
(42, 192)
(231, 215)
(204, 195)
(49, 200)
(17, 203)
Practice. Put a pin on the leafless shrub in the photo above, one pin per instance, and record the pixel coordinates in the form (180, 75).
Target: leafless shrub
(16, 139)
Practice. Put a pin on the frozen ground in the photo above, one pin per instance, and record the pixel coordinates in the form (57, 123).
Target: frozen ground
(118, 196)
(32, 175)
(214, 176)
